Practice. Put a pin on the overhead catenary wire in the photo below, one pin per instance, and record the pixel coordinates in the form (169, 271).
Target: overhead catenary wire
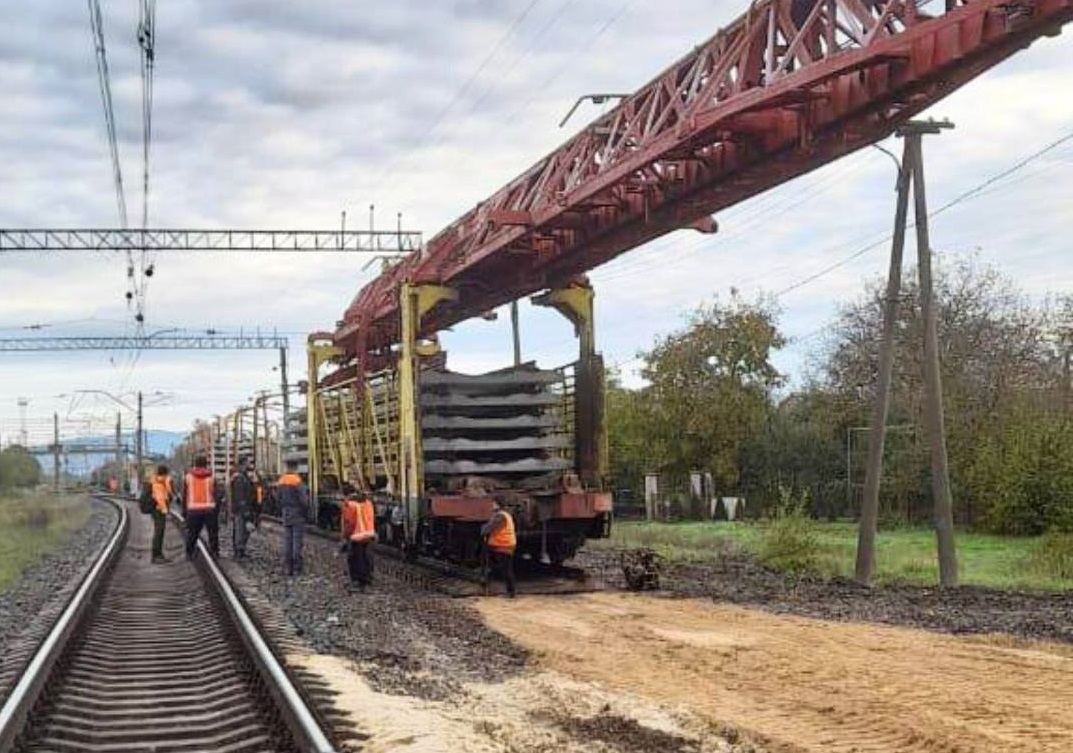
(974, 192)
(103, 80)
(385, 172)
(147, 46)
(960, 198)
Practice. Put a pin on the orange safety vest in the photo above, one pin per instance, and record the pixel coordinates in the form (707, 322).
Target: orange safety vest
(358, 520)
(503, 538)
(199, 493)
(162, 493)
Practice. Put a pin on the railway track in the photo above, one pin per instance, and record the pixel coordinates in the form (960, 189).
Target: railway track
(156, 658)
(458, 581)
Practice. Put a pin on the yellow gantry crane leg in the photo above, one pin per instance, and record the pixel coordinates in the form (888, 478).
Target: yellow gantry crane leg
(318, 352)
(415, 302)
(575, 302)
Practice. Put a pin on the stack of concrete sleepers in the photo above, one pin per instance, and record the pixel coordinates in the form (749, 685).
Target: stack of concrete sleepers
(506, 423)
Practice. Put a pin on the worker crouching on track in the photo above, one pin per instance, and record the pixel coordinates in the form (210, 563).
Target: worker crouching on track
(501, 541)
(199, 507)
(293, 505)
(358, 527)
(243, 501)
(162, 492)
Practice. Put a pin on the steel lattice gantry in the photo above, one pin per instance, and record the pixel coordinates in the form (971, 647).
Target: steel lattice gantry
(185, 342)
(787, 87)
(388, 242)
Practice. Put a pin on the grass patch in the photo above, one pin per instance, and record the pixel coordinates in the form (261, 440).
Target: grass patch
(32, 524)
(1052, 556)
(905, 555)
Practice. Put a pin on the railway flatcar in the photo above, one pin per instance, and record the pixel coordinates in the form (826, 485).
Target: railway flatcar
(439, 447)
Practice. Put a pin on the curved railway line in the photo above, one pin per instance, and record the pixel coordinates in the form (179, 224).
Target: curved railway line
(163, 658)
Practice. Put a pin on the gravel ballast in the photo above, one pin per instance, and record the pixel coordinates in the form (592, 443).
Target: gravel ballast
(29, 605)
(737, 578)
(404, 640)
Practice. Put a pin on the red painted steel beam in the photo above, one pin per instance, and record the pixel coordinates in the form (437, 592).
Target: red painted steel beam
(787, 87)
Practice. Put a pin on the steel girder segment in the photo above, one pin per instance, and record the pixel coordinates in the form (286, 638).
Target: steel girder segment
(788, 87)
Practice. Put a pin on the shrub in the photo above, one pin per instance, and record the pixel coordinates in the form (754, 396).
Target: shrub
(1053, 555)
(790, 541)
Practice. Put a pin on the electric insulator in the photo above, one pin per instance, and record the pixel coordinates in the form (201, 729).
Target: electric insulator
(130, 296)
(149, 271)
(139, 318)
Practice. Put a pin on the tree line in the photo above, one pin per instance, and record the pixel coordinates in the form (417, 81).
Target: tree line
(713, 402)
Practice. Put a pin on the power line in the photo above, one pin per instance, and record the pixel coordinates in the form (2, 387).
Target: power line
(965, 196)
(103, 81)
(442, 114)
(146, 42)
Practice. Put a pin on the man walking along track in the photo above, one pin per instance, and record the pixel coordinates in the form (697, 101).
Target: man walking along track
(243, 501)
(199, 507)
(294, 506)
(161, 490)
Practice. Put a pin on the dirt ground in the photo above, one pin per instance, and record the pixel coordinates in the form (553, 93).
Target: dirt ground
(539, 711)
(804, 684)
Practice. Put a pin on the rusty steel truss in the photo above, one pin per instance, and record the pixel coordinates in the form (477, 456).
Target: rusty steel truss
(787, 87)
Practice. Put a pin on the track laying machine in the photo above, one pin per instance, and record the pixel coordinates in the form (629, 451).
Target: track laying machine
(438, 447)
(786, 87)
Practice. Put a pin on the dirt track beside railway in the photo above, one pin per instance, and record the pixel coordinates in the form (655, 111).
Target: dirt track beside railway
(803, 684)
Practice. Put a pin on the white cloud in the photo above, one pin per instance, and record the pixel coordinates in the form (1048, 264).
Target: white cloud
(281, 114)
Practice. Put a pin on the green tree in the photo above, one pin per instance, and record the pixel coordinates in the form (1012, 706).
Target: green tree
(709, 388)
(999, 363)
(18, 468)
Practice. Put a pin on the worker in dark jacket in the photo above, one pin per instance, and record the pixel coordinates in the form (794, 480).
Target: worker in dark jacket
(200, 497)
(243, 501)
(294, 505)
(500, 542)
(162, 492)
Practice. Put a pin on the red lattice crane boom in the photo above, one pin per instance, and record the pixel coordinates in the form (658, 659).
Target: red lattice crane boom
(787, 87)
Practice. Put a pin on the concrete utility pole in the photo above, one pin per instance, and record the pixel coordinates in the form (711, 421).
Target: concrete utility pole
(283, 384)
(119, 441)
(910, 169)
(517, 335)
(138, 449)
(56, 452)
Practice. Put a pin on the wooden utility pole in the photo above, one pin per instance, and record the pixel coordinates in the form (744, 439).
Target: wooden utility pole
(910, 169)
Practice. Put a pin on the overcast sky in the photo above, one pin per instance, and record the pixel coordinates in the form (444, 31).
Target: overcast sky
(279, 114)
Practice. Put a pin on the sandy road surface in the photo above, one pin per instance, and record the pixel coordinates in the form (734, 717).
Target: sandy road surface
(803, 684)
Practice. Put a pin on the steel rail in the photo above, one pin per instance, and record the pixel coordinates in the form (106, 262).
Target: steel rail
(20, 703)
(301, 721)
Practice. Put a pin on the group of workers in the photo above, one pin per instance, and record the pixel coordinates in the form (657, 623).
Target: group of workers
(202, 500)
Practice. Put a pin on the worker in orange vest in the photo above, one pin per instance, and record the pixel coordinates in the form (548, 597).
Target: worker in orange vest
(200, 496)
(358, 528)
(162, 491)
(500, 542)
